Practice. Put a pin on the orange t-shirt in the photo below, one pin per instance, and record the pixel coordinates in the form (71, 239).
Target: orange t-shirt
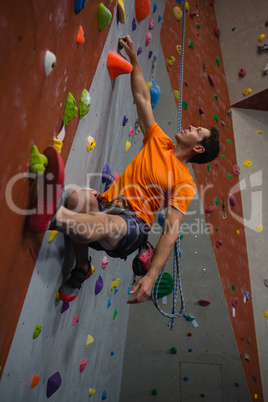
(154, 179)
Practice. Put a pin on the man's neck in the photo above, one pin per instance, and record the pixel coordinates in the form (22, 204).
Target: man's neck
(182, 155)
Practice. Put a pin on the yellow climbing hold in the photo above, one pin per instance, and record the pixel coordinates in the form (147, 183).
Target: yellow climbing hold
(149, 85)
(91, 143)
(261, 37)
(238, 232)
(260, 132)
(58, 297)
(57, 144)
(171, 60)
(90, 340)
(247, 163)
(259, 228)
(187, 6)
(91, 391)
(115, 284)
(92, 269)
(266, 314)
(178, 48)
(176, 94)
(121, 15)
(128, 145)
(247, 91)
(177, 13)
(52, 235)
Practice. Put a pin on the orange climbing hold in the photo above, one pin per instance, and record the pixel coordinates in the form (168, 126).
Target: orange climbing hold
(80, 36)
(35, 381)
(142, 9)
(117, 65)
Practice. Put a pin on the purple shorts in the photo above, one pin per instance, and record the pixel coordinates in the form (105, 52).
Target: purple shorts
(137, 234)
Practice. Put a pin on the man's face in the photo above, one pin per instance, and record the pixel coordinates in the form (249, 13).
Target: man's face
(189, 138)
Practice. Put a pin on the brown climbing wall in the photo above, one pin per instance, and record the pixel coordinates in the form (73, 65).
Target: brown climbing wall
(32, 109)
(218, 179)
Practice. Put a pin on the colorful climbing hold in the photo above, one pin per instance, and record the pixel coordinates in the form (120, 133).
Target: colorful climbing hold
(218, 243)
(233, 287)
(204, 302)
(89, 341)
(104, 396)
(91, 391)
(154, 391)
(198, 26)
(38, 161)
(134, 25)
(37, 331)
(35, 381)
(211, 80)
(247, 163)
(211, 209)
(115, 284)
(247, 91)
(57, 144)
(261, 37)
(259, 228)
(230, 176)
(178, 48)
(53, 384)
(216, 118)
(171, 60)
(208, 168)
(236, 170)
(117, 65)
(115, 313)
(70, 109)
(127, 146)
(184, 105)
(173, 350)
(186, 378)
(75, 320)
(266, 314)
(154, 8)
(177, 12)
(232, 200)
(190, 44)
(83, 365)
(151, 23)
(242, 72)
(201, 110)
(260, 132)
(105, 17)
(217, 32)
(121, 15)
(49, 62)
(85, 103)
(80, 38)
(148, 39)
(91, 143)
(64, 307)
(99, 285)
(155, 93)
(142, 9)
(217, 61)
(176, 94)
(234, 302)
(79, 5)
(216, 97)
(131, 132)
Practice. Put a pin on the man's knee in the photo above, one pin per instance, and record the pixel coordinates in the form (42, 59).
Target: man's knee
(82, 201)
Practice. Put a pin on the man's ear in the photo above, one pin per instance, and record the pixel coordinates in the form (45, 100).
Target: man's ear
(199, 149)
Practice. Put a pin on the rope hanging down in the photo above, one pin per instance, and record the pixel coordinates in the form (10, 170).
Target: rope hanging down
(176, 265)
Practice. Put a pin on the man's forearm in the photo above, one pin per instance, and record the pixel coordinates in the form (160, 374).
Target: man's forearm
(138, 83)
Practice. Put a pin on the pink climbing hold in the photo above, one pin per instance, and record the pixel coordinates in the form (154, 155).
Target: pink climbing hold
(211, 80)
(242, 72)
(83, 365)
(232, 200)
(236, 170)
(218, 243)
(53, 384)
(131, 132)
(104, 262)
(115, 175)
(210, 209)
(151, 23)
(217, 32)
(148, 38)
(234, 302)
(75, 320)
(204, 302)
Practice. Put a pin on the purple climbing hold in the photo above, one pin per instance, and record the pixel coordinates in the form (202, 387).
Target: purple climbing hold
(247, 295)
(65, 307)
(150, 54)
(106, 173)
(139, 51)
(53, 384)
(125, 120)
(134, 25)
(99, 285)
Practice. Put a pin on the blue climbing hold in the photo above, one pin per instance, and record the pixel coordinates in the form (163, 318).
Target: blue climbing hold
(155, 92)
(79, 5)
(104, 395)
(159, 18)
(179, 1)
(154, 8)
(161, 218)
(115, 291)
(186, 378)
(108, 303)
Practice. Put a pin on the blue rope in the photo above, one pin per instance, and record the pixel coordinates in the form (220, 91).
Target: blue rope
(177, 286)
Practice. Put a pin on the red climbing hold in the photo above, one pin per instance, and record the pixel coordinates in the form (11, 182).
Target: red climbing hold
(142, 9)
(218, 243)
(80, 38)
(236, 170)
(234, 302)
(211, 80)
(242, 72)
(211, 209)
(117, 65)
(217, 32)
(204, 302)
(232, 200)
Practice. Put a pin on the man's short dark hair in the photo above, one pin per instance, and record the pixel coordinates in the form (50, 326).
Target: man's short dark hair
(211, 145)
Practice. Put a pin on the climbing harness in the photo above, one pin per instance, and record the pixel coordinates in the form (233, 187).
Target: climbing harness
(176, 265)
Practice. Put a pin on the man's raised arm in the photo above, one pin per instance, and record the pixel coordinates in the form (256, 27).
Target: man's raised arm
(139, 87)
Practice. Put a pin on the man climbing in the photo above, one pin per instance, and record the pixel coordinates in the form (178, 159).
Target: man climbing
(157, 178)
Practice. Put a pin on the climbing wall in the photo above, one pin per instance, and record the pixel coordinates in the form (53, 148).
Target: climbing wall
(73, 349)
(206, 102)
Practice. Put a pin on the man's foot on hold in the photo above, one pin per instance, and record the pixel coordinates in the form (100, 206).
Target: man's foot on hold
(70, 289)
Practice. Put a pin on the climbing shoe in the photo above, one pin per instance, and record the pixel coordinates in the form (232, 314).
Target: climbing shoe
(70, 289)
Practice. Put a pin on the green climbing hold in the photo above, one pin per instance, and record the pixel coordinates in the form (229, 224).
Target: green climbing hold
(230, 176)
(173, 350)
(105, 17)
(217, 61)
(216, 118)
(216, 97)
(217, 229)
(38, 162)
(85, 103)
(184, 105)
(208, 167)
(222, 156)
(154, 391)
(216, 201)
(190, 43)
(70, 109)
(233, 287)
(233, 29)
(181, 236)
(115, 313)
(229, 141)
(198, 26)
(165, 286)
(37, 331)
